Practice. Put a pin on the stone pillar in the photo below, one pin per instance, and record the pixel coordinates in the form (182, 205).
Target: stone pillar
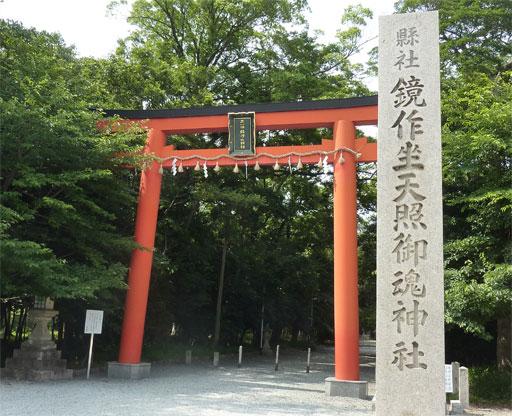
(455, 376)
(410, 289)
(464, 387)
(188, 357)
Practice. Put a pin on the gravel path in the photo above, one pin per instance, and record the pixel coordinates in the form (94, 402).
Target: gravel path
(199, 389)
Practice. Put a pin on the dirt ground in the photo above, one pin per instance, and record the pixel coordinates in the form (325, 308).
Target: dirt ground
(255, 389)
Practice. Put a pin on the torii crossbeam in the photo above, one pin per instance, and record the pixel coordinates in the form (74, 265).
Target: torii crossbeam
(342, 115)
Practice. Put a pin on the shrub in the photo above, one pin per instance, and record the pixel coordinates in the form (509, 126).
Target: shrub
(490, 385)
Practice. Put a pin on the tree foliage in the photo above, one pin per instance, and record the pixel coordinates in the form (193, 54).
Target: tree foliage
(475, 35)
(477, 161)
(184, 53)
(63, 194)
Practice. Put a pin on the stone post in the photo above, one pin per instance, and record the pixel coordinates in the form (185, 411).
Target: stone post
(464, 387)
(188, 357)
(455, 376)
(410, 288)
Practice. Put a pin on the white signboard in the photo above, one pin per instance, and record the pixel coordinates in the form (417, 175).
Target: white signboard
(93, 321)
(448, 379)
(410, 289)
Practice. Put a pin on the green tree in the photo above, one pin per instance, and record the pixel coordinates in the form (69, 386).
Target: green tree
(182, 52)
(64, 196)
(475, 35)
(478, 206)
(185, 53)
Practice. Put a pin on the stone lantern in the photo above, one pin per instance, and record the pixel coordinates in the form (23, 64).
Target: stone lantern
(39, 318)
(38, 358)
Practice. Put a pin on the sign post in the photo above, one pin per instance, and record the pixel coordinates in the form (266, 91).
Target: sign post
(410, 290)
(93, 325)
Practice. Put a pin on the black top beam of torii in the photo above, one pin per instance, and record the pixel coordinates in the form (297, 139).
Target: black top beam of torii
(335, 103)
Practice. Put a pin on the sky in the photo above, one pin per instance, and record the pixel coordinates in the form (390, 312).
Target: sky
(88, 26)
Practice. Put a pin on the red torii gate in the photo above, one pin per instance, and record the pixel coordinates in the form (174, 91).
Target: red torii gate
(342, 115)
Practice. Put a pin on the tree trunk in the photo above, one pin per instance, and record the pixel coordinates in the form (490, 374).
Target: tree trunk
(8, 323)
(503, 344)
(310, 321)
(295, 334)
(218, 313)
(262, 327)
(22, 322)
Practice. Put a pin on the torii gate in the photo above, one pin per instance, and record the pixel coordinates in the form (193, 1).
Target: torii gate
(342, 115)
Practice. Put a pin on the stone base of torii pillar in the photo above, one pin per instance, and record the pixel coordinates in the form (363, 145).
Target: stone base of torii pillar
(346, 388)
(128, 371)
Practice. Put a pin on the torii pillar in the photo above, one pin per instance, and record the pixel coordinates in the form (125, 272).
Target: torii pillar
(346, 381)
(132, 333)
